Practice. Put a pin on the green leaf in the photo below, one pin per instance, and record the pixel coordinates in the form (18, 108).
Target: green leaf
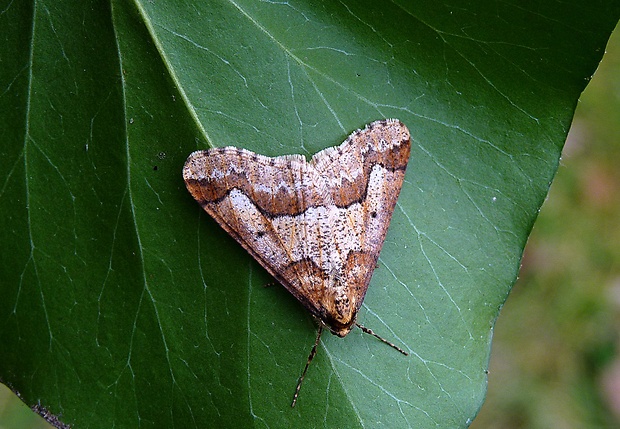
(123, 304)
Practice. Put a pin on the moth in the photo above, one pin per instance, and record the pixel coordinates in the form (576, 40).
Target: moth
(316, 226)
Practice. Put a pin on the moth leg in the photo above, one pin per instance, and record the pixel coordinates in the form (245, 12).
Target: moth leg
(310, 357)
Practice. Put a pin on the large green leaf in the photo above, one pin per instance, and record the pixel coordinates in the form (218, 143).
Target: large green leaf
(123, 304)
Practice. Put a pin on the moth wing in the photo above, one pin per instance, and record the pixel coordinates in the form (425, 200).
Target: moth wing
(364, 176)
(262, 203)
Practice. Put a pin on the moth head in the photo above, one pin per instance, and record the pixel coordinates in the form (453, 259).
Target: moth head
(341, 310)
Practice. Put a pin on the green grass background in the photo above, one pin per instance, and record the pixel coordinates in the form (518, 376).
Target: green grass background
(555, 360)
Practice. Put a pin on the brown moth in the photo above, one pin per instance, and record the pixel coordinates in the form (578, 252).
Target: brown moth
(318, 226)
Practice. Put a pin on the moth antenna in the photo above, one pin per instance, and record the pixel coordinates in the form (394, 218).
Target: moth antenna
(371, 332)
(310, 357)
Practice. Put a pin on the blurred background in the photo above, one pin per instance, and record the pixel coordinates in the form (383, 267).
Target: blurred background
(555, 362)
